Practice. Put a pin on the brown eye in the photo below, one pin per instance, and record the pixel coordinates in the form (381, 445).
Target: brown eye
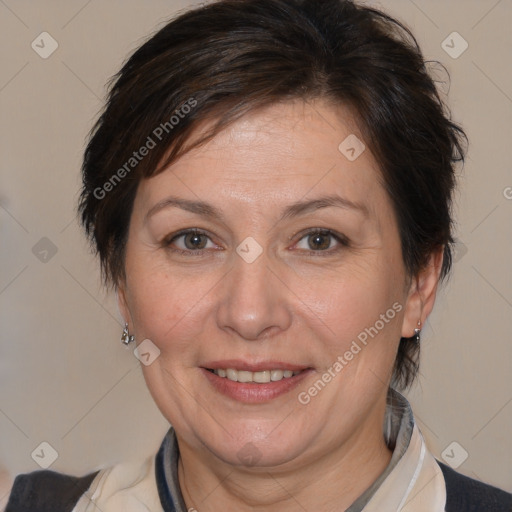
(189, 241)
(321, 240)
(194, 241)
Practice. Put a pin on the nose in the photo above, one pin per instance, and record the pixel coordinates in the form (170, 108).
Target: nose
(254, 300)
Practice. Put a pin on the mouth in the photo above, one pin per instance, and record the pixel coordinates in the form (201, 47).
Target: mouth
(260, 377)
(254, 383)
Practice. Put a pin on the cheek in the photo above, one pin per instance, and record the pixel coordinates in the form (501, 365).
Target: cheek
(167, 308)
(359, 305)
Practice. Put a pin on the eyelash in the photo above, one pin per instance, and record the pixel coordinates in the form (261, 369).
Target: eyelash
(341, 239)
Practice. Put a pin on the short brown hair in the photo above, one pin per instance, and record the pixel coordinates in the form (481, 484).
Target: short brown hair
(227, 58)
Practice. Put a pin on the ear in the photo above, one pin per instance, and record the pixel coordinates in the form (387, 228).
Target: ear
(422, 294)
(122, 303)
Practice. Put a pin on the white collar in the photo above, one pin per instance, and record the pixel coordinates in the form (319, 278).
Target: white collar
(416, 484)
(412, 482)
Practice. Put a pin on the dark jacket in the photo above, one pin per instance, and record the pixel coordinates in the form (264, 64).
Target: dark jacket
(49, 491)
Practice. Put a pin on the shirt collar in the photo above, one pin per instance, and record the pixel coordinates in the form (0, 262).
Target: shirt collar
(411, 478)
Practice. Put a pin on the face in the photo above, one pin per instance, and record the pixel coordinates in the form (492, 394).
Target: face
(269, 252)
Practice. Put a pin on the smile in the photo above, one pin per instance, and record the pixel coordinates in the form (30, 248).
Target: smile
(254, 383)
(260, 377)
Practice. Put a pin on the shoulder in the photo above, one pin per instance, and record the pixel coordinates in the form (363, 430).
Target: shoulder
(109, 488)
(464, 494)
(47, 491)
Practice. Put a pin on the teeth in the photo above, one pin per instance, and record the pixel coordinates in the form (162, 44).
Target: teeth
(276, 375)
(262, 377)
(232, 374)
(244, 376)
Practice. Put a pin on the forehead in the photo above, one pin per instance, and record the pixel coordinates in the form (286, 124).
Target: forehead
(272, 156)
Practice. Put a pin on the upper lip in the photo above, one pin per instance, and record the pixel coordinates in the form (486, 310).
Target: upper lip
(238, 364)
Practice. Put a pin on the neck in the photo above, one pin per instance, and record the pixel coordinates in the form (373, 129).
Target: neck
(330, 482)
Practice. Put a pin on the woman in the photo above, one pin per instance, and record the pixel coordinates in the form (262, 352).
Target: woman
(269, 192)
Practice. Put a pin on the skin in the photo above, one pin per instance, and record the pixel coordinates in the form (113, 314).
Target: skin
(296, 303)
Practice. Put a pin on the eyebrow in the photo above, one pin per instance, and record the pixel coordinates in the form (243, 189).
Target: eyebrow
(294, 210)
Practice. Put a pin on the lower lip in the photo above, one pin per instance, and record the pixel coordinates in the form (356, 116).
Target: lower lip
(250, 392)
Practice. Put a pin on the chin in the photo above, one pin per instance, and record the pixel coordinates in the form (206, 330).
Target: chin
(256, 443)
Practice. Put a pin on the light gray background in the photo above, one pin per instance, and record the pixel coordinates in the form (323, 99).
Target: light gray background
(64, 376)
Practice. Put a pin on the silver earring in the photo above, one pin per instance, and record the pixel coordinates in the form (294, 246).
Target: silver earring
(126, 337)
(417, 332)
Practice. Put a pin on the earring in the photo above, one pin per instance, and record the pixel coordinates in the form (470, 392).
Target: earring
(417, 332)
(126, 337)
